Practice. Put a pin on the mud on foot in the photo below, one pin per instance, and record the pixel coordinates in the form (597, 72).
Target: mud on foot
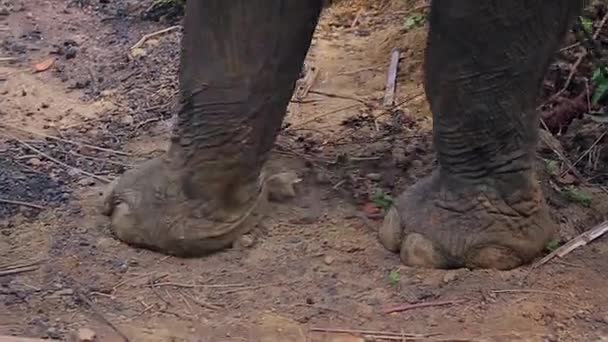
(433, 227)
(149, 208)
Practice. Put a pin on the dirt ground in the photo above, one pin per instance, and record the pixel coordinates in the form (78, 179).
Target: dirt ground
(78, 107)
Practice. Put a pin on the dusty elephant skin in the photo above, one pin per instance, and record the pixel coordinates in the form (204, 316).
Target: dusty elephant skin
(481, 208)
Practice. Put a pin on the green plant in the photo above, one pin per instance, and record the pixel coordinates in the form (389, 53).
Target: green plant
(586, 24)
(383, 200)
(600, 81)
(394, 277)
(553, 245)
(552, 167)
(413, 21)
(576, 195)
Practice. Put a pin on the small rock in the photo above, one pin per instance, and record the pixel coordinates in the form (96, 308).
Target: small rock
(127, 119)
(450, 276)
(86, 335)
(137, 52)
(374, 176)
(35, 161)
(86, 182)
(246, 241)
(281, 186)
(70, 52)
(53, 333)
(64, 292)
(328, 260)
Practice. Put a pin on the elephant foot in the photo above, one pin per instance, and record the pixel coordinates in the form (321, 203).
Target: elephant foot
(433, 227)
(153, 207)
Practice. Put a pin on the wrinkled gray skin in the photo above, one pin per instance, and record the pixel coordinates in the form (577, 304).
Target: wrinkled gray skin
(482, 207)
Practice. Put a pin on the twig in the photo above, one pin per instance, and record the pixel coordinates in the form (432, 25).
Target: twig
(366, 332)
(93, 147)
(315, 118)
(407, 307)
(588, 150)
(59, 162)
(201, 303)
(8, 59)
(529, 291)
(352, 72)
(100, 316)
(22, 339)
(579, 60)
(389, 95)
(412, 10)
(356, 20)
(145, 38)
(18, 270)
(25, 204)
(339, 96)
(192, 286)
(575, 243)
(570, 77)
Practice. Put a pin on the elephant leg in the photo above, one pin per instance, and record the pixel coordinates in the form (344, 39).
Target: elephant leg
(239, 64)
(482, 207)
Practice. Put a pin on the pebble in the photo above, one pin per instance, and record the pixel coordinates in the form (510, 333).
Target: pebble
(328, 260)
(374, 176)
(138, 52)
(35, 161)
(246, 241)
(450, 276)
(86, 335)
(53, 333)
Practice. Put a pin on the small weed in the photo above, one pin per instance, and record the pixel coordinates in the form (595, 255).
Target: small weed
(553, 245)
(394, 277)
(576, 195)
(552, 167)
(600, 81)
(587, 25)
(383, 200)
(413, 21)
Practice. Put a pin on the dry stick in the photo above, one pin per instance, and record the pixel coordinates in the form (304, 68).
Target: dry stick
(366, 332)
(93, 147)
(356, 20)
(529, 291)
(315, 118)
(25, 204)
(389, 95)
(192, 286)
(579, 60)
(18, 270)
(100, 316)
(352, 72)
(587, 151)
(407, 307)
(575, 243)
(152, 35)
(338, 96)
(22, 339)
(59, 162)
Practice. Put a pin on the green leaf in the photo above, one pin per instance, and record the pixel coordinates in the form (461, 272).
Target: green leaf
(576, 195)
(600, 91)
(587, 24)
(393, 277)
(552, 245)
(383, 200)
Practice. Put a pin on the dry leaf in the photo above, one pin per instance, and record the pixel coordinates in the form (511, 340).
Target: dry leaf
(44, 65)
